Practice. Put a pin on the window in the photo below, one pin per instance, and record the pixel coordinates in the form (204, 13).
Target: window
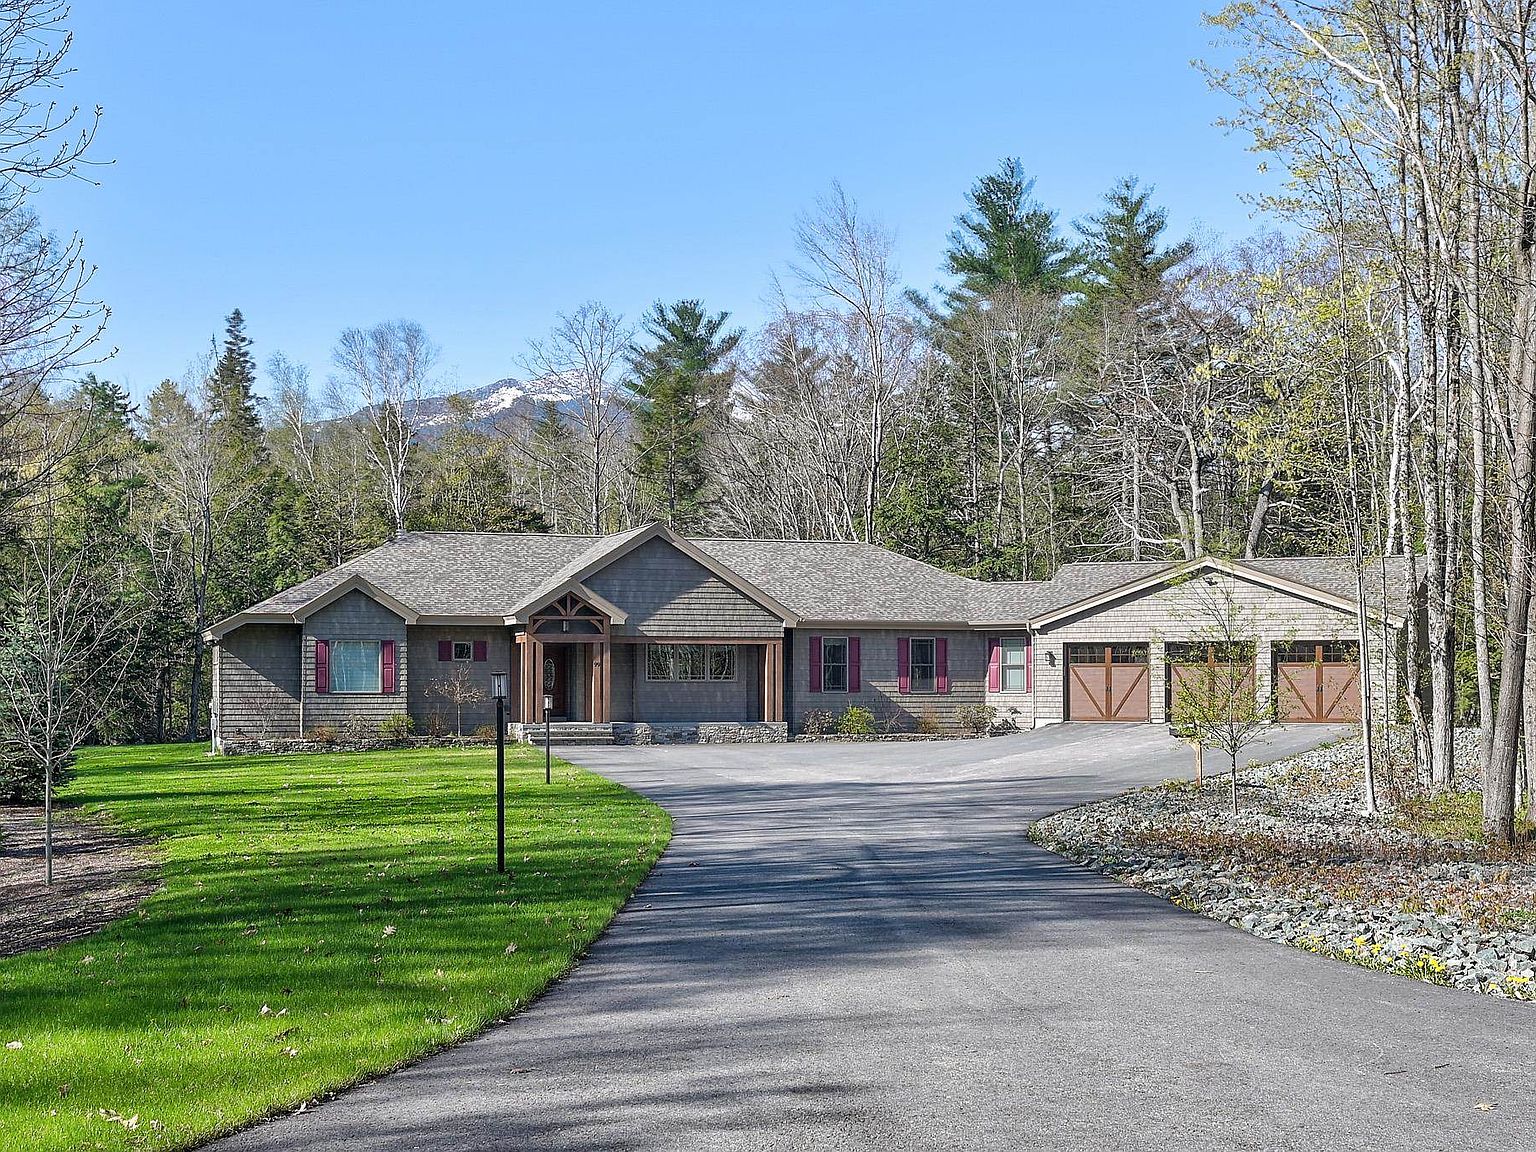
(690, 662)
(923, 664)
(356, 666)
(1014, 661)
(463, 650)
(834, 663)
(722, 662)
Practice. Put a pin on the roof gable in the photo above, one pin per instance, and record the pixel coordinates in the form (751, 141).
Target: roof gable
(613, 549)
(1165, 574)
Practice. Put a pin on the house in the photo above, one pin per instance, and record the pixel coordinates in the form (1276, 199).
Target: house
(646, 635)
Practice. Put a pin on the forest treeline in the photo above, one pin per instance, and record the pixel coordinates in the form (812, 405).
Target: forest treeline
(1079, 383)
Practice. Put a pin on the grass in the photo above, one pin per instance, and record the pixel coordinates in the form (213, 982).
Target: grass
(1453, 816)
(323, 919)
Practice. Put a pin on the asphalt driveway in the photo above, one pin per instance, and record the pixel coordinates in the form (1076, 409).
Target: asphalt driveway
(854, 946)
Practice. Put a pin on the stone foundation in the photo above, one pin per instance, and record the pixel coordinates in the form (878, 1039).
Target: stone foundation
(282, 745)
(704, 732)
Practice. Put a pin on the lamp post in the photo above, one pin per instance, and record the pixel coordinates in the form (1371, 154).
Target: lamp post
(549, 706)
(499, 690)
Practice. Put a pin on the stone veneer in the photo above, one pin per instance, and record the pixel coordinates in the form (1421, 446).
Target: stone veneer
(704, 732)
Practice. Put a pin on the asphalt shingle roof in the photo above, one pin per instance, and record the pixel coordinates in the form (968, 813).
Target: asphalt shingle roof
(492, 574)
(837, 580)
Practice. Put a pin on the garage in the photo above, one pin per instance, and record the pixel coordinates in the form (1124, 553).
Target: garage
(1197, 664)
(1317, 681)
(1107, 682)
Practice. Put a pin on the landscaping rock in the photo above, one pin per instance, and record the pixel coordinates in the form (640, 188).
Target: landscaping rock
(1301, 864)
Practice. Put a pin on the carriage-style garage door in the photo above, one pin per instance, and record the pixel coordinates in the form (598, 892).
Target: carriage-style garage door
(1107, 682)
(1318, 681)
(1226, 670)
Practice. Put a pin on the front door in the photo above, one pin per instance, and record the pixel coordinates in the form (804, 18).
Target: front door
(556, 682)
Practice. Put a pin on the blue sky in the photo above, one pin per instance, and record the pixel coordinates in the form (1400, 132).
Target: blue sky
(481, 166)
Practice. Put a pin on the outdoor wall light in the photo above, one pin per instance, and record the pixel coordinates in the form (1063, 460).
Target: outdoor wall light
(1050, 659)
(498, 685)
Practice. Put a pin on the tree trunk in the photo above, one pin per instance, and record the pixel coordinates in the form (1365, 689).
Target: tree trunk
(1499, 771)
(1257, 518)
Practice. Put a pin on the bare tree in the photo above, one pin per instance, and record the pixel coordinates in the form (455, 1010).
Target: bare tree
(389, 369)
(847, 266)
(584, 351)
(458, 689)
(72, 624)
(47, 323)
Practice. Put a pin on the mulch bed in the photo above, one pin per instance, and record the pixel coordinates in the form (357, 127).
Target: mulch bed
(99, 875)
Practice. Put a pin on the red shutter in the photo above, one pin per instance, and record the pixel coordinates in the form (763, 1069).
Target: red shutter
(445, 650)
(815, 658)
(941, 665)
(994, 664)
(387, 676)
(322, 666)
(903, 665)
(1029, 664)
(853, 663)
(479, 651)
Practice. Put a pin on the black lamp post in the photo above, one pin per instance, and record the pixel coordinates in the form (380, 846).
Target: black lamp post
(499, 690)
(549, 706)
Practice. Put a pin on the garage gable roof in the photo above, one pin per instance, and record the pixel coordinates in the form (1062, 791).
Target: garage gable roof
(1324, 580)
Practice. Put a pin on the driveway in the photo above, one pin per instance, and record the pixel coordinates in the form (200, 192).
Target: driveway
(854, 946)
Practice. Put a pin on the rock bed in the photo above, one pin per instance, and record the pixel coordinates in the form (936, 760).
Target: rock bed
(1302, 866)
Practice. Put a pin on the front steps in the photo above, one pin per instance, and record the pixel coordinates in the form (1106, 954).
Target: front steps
(567, 732)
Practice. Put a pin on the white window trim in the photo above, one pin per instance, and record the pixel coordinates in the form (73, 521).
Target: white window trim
(933, 682)
(378, 651)
(1004, 665)
(469, 649)
(847, 663)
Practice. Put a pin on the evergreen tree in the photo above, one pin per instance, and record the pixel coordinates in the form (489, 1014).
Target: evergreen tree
(232, 388)
(680, 385)
(1126, 266)
(1008, 240)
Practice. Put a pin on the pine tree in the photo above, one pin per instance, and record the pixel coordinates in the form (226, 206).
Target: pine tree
(232, 387)
(1125, 263)
(680, 384)
(1008, 240)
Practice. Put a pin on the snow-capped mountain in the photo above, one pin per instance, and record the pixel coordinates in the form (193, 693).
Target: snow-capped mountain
(508, 397)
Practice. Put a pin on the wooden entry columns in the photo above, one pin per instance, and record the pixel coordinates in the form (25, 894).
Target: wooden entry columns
(773, 681)
(596, 671)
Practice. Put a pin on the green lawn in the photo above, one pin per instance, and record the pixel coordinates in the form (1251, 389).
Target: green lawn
(324, 918)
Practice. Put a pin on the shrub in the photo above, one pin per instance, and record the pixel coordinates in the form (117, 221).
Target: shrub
(976, 719)
(396, 729)
(21, 776)
(856, 721)
(324, 734)
(926, 724)
(359, 731)
(485, 732)
(818, 723)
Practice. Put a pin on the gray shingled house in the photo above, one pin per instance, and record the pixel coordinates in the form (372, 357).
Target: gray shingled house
(645, 635)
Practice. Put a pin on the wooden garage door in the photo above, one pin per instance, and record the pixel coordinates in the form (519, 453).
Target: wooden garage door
(1192, 663)
(1318, 682)
(1107, 682)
